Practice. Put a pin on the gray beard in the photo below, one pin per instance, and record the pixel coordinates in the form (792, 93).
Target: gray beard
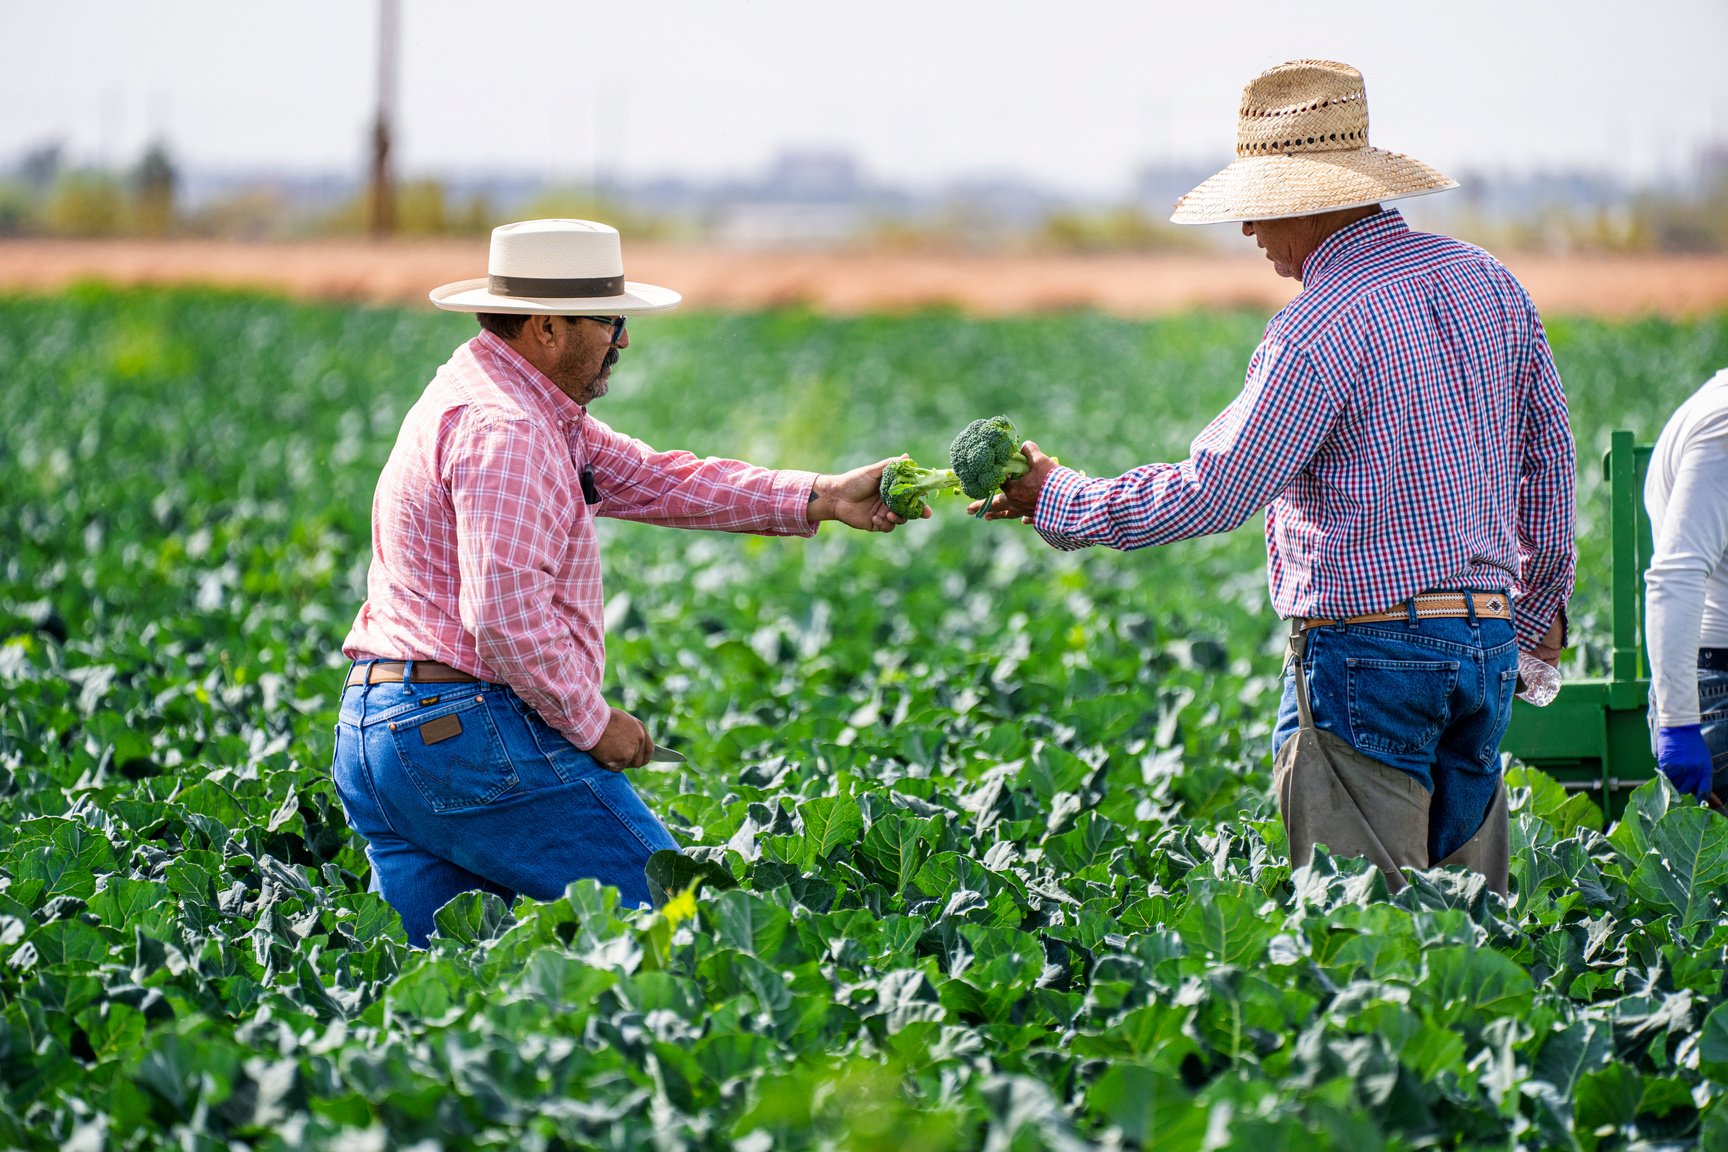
(597, 386)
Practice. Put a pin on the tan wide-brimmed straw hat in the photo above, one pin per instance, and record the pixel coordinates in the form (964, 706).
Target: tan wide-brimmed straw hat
(1302, 148)
(555, 267)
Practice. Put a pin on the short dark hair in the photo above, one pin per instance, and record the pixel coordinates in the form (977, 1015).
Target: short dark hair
(504, 325)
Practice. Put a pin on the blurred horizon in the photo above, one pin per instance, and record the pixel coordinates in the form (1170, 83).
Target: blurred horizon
(784, 124)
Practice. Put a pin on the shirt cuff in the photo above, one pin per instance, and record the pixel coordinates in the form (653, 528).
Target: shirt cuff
(792, 490)
(1527, 610)
(588, 722)
(1057, 513)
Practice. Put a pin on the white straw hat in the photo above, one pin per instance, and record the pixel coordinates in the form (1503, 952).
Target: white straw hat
(555, 267)
(1302, 148)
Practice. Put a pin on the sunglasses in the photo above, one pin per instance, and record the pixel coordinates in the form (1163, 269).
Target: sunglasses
(616, 323)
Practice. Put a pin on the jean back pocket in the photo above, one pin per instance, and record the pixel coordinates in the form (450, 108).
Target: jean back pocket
(454, 754)
(1399, 707)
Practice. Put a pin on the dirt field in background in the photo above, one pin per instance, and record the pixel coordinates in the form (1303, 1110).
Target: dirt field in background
(1129, 285)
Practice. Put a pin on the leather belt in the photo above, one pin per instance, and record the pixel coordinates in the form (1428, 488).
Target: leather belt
(1429, 606)
(390, 672)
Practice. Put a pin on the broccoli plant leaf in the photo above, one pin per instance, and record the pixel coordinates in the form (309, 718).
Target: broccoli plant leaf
(1686, 865)
(829, 823)
(896, 849)
(670, 872)
(473, 918)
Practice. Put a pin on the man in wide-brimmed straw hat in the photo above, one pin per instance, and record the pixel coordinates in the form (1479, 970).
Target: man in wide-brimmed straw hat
(1405, 430)
(474, 749)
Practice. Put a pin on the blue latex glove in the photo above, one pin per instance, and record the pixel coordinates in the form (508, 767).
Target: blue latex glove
(1684, 759)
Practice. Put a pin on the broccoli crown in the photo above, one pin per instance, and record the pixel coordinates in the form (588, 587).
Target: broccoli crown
(986, 453)
(904, 486)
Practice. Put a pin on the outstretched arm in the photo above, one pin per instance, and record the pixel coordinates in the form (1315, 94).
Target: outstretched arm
(1242, 460)
(679, 490)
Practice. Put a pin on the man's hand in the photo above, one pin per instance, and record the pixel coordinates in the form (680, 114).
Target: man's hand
(624, 744)
(855, 499)
(1553, 642)
(1684, 758)
(1019, 495)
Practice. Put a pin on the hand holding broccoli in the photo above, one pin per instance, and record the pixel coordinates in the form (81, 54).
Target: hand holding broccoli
(905, 485)
(1020, 495)
(1003, 474)
(985, 456)
(858, 499)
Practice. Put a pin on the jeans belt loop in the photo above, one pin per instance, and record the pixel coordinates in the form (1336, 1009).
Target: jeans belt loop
(1470, 607)
(1410, 607)
(408, 677)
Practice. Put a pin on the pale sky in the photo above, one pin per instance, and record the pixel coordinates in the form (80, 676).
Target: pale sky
(1072, 96)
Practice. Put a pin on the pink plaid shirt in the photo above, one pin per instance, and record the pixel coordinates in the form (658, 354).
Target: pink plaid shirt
(484, 555)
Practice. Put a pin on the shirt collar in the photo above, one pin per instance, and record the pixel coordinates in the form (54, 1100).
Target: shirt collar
(532, 385)
(1368, 232)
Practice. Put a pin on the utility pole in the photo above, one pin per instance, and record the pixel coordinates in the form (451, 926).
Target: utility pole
(381, 201)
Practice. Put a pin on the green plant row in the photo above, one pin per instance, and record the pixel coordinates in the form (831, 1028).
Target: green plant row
(979, 845)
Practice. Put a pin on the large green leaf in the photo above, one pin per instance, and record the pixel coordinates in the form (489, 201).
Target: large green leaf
(830, 823)
(1713, 1042)
(745, 921)
(1227, 925)
(59, 858)
(896, 848)
(473, 918)
(1685, 867)
(1465, 984)
(1149, 1108)
(68, 945)
(670, 872)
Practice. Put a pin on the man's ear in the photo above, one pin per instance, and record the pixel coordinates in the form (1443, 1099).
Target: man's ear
(541, 330)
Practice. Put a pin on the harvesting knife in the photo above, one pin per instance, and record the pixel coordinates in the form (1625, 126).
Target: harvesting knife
(667, 756)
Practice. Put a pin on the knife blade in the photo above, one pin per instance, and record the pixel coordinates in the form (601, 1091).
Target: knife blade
(667, 756)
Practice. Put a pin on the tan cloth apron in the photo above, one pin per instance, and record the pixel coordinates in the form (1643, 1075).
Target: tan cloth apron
(1331, 794)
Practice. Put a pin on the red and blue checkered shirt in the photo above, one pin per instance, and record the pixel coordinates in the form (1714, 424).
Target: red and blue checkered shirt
(484, 555)
(1402, 425)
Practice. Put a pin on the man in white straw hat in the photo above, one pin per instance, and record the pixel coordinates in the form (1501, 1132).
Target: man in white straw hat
(1405, 430)
(474, 748)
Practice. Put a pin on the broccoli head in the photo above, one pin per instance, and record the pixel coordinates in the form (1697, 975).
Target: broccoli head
(904, 486)
(986, 453)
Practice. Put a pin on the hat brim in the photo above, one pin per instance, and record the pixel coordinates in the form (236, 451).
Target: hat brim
(1285, 185)
(476, 296)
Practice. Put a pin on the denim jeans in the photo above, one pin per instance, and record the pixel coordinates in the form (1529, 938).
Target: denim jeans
(458, 787)
(1431, 698)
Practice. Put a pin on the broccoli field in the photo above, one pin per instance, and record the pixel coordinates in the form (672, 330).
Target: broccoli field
(980, 845)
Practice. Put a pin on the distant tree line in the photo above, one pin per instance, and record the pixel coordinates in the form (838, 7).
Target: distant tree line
(42, 194)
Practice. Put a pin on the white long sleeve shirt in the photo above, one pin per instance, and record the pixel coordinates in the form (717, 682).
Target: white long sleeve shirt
(1686, 588)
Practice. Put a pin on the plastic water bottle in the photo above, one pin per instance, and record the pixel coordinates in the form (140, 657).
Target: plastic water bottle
(1538, 682)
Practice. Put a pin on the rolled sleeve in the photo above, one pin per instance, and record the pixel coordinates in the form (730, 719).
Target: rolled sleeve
(1061, 505)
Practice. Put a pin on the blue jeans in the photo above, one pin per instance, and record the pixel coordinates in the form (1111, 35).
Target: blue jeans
(1431, 698)
(458, 787)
